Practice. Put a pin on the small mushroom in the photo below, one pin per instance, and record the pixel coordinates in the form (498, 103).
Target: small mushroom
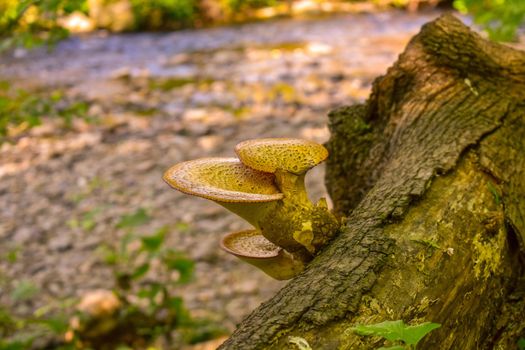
(289, 159)
(298, 224)
(249, 193)
(252, 247)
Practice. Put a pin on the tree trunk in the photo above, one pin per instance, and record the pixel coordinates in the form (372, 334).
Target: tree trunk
(430, 173)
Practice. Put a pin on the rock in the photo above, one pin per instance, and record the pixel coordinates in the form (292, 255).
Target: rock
(99, 303)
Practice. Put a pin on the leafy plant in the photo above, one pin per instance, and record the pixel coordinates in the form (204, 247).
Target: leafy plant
(24, 290)
(521, 343)
(21, 110)
(33, 22)
(500, 18)
(147, 273)
(46, 325)
(397, 331)
(86, 221)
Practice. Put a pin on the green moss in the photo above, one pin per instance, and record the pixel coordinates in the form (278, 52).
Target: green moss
(488, 257)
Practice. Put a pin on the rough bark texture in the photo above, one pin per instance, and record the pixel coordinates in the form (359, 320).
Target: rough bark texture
(430, 174)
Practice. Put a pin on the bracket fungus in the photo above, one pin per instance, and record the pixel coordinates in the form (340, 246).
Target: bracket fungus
(265, 186)
(252, 247)
(310, 226)
(226, 181)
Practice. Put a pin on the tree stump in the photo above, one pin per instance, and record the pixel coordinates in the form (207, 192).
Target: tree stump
(430, 173)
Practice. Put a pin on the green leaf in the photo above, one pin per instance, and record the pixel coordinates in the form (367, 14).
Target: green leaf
(24, 290)
(12, 255)
(176, 261)
(154, 243)
(58, 325)
(139, 217)
(390, 330)
(397, 331)
(395, 347)
(521, 343)
(140, 271)
(413, 334)
(150, 292)
(176, 307)
(108, 254)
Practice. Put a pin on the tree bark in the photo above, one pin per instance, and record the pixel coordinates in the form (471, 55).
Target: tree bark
(430, 173)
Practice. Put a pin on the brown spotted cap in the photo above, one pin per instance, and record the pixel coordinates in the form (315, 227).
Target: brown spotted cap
(222, 180)
(288, 154)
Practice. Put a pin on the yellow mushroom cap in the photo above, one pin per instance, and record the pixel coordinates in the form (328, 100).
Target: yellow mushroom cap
(272, 154)
(249, 244)
(222, 180)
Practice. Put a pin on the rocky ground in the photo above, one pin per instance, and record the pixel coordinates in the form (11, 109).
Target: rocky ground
(159, 99)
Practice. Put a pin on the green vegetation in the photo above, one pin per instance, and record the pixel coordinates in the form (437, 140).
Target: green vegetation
(21, 110)
(33, 22)
(404, 337)
(142, 309)
(500, 18)
(35, 330)
(30, 23)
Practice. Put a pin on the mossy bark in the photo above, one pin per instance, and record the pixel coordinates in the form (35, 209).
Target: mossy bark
(430, 174)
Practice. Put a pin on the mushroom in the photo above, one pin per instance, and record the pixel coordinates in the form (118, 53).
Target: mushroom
(252, 247)
(266, 188)
(249, 193)
(298, 224)
(289, 159)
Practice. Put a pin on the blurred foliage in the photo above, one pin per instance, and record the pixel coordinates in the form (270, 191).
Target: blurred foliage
(30, 23)
(155, 14)
(33, 22)
(147, 273)
(21, 110)
(42, 328)
(140, 311)
(500, 18)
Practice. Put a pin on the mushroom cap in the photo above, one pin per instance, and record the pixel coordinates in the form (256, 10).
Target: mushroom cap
(288, 154)
(222, 180)
(249, 244)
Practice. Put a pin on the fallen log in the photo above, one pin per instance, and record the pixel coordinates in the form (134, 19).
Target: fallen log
(430, 174)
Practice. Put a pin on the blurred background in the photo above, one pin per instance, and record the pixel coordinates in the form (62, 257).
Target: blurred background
(99, 97)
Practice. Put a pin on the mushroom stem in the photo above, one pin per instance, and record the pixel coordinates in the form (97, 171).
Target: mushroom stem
(292, 186)
(295, 223)
(251, 212)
